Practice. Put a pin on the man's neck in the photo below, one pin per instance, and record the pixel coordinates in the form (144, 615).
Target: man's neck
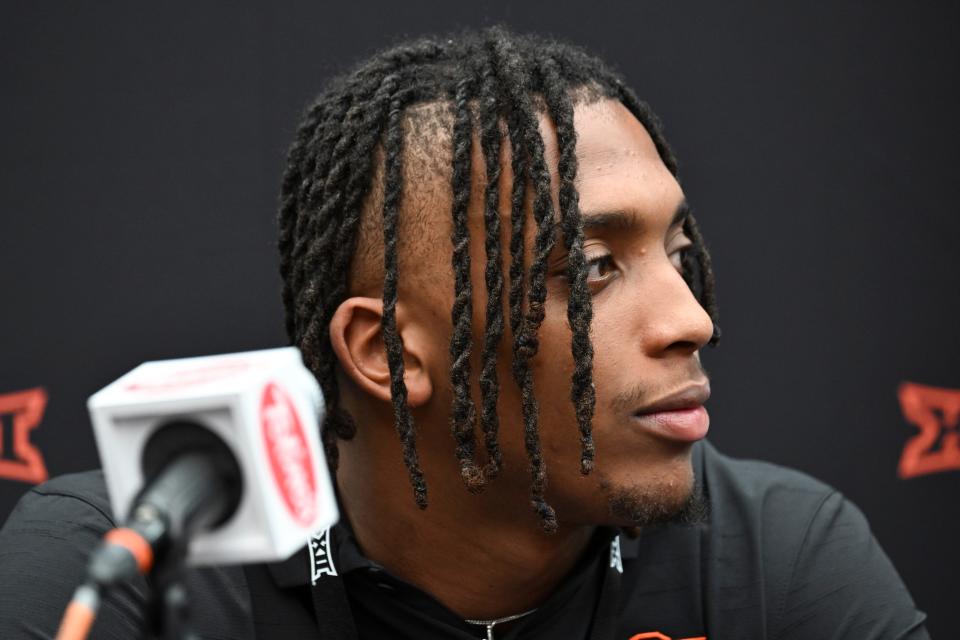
(479, 567)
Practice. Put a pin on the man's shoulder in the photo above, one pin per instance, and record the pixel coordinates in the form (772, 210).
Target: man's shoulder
(86, 485)
(756, 476)
(746, 487)
(44, 546)
(76, 495)
(799, 552)
(761, 516)
(51, 513)
(765, 513)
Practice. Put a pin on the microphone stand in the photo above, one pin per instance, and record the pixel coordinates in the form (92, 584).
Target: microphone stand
(169, 608)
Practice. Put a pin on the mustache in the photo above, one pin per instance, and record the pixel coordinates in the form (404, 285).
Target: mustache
(628, 401)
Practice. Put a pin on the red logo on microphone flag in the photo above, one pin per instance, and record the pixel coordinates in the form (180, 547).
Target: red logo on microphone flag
(290, 458)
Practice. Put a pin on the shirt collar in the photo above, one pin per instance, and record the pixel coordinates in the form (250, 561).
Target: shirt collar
(334, 552)
(330, 552)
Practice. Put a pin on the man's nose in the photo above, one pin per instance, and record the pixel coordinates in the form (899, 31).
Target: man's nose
(677, 323)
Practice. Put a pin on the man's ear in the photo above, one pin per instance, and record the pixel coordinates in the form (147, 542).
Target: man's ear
(357, 339)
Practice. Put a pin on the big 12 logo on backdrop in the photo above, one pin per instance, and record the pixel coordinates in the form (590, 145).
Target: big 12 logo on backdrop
(935, 412)
(20, 413)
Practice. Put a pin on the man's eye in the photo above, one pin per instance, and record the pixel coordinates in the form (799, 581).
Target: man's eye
(676, 256)
(599, 268)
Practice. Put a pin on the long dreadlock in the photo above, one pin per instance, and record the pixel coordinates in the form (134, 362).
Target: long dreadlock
(498, 83)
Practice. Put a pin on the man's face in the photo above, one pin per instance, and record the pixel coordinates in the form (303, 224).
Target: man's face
(646, 332)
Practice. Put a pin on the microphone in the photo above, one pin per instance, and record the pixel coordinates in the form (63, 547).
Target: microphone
(227, 446)
(193, 483)
(212, 460)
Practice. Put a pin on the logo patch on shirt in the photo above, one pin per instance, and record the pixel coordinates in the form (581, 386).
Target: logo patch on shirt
(616, 560)
(321, 556)
(656, 635)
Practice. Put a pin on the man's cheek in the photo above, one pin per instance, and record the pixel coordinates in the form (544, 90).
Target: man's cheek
(613, 371)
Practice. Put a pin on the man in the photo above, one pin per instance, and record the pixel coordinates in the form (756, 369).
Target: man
(493, 272)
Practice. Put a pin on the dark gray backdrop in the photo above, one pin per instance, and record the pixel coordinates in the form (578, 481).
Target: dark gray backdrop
(142, 148)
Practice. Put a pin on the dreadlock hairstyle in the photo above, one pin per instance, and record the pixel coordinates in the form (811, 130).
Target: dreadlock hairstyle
(498, 83)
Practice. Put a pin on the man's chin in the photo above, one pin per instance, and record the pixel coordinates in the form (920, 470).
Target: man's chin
(649, 505)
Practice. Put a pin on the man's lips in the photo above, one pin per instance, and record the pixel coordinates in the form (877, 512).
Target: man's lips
(678, 416)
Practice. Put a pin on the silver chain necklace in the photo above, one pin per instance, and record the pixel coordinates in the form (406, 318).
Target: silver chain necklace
(490, 623)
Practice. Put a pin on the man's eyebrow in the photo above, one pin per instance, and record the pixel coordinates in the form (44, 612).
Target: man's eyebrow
(625, 221)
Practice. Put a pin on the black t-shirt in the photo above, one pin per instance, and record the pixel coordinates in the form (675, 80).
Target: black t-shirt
(781, 556)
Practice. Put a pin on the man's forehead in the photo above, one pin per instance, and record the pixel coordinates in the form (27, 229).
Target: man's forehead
(607, 134)
(618, 165)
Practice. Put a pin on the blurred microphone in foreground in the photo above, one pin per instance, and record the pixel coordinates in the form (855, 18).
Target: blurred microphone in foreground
(215, 460)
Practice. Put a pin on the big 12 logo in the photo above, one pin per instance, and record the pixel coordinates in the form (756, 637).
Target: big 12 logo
(935, 411)
(20, 413)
